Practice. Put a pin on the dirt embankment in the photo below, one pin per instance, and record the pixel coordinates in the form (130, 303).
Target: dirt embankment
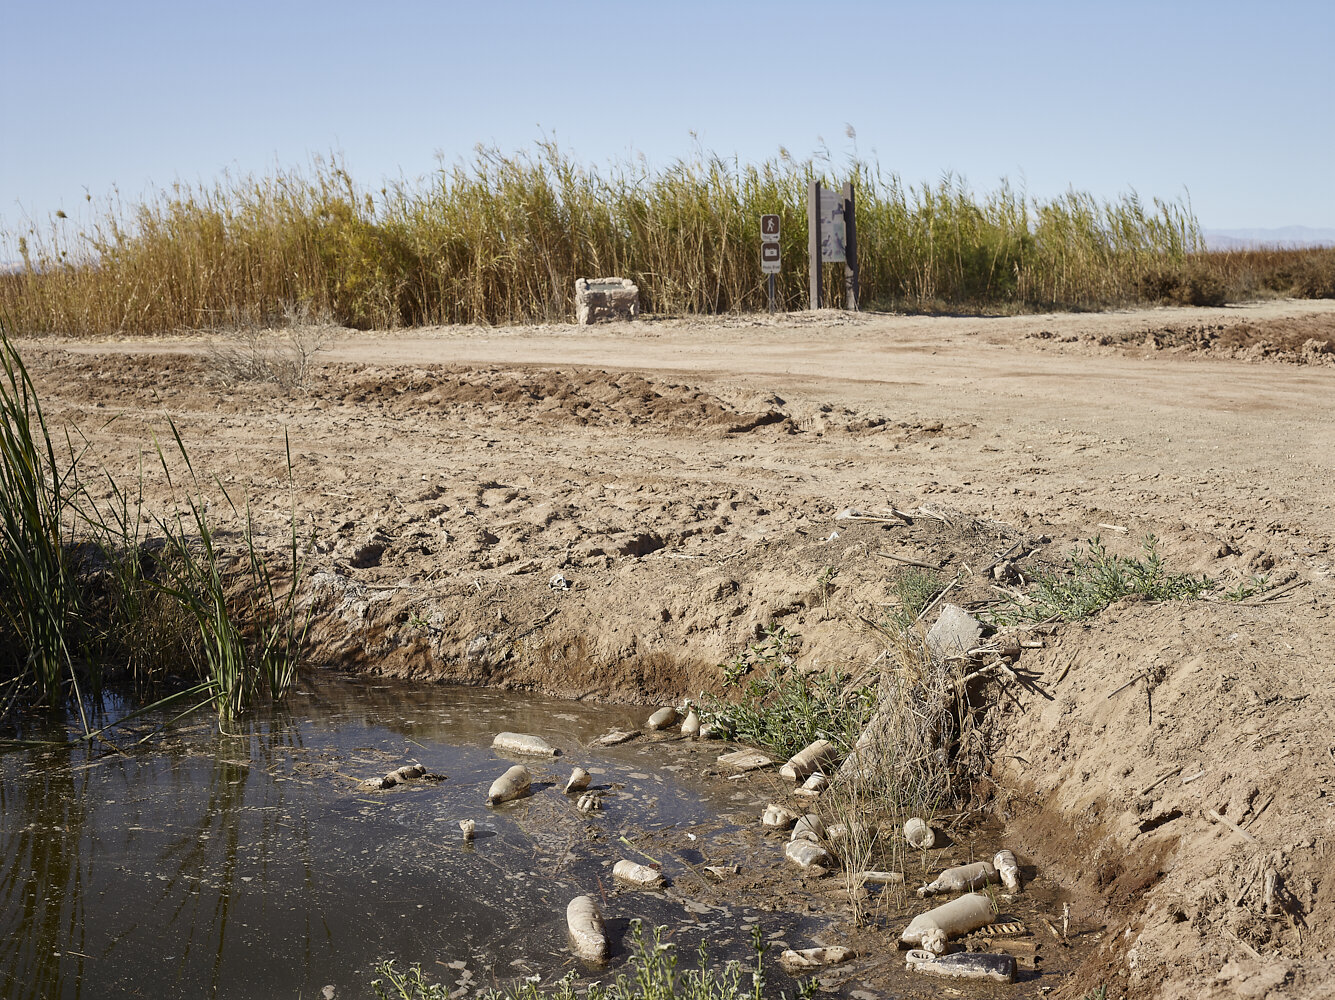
(611, 513)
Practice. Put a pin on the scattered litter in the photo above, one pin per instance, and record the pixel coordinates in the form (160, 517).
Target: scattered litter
(814, 785)
(962, 877)
(535, 746)
(663, 718)
(1011, 929)
(469, 827)
(559, 582)
(637, 874)
(615, 737)
(691, 727)
(409, 771)
(588, 939)
(513, 784)
(919, 834)
(848, 514)
(837, 833)
(812, 758)
(834, 535)
(722, 871)
(964, 965)
(881, 878)
(1008, 870)
(809, 827)
(579, 780)
(806, 853)
(588, 802)
(806, 959)
(933, 929)
(746, 760)
(778, 816)
(379, 782)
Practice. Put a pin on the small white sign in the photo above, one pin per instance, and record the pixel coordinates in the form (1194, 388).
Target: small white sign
(769, 258)
(833, 232)
(769, 229)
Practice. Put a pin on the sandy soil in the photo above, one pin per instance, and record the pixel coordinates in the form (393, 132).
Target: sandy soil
(683, 478)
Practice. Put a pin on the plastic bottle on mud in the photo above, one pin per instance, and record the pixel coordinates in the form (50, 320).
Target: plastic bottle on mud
(931, 930)
(919, 834)
(962, 877)
(964, 965)
(1008, 870)
(579, 780)
(513, 784)
(588, 938)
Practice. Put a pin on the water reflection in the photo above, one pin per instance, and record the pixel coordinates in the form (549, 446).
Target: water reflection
(250, 865)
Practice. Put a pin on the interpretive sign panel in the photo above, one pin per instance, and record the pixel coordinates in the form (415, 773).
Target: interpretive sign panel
(833, 232)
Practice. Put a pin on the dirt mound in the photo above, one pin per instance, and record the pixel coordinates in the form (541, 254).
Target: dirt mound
(1301, 340)
(1183, 783)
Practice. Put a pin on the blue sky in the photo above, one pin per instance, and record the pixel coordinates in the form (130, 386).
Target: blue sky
(1232, 102)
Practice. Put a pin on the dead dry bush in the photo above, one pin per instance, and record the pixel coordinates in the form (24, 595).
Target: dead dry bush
(282, 356)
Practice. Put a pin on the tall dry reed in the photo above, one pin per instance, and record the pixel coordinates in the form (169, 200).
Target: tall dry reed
(501, 239)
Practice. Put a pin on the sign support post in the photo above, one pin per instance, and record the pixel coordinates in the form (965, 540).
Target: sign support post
(850, 250)
(769, 251)
(813, 244)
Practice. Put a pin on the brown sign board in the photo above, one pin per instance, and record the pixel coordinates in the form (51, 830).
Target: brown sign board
(769, 258)
(769, 229)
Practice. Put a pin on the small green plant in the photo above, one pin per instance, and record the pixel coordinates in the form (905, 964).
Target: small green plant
(1247, 588)
(1093, 578)
(775, 706)
(914, 590)
(651, 974)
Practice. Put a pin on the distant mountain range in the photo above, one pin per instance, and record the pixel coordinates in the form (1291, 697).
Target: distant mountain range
(1286, 236)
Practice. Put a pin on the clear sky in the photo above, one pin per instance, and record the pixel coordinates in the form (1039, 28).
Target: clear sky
(1233, 102)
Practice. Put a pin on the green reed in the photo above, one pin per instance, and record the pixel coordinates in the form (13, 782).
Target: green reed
(501, 238)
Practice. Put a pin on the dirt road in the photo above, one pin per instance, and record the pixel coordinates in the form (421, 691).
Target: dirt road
(682, 479)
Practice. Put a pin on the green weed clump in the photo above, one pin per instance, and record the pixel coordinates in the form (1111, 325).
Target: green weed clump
(502, 238)
(651, 974)
(92, 587)
(770, 704)
(1094, 578)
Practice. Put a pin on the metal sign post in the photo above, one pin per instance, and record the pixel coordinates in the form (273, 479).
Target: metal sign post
(769, 251)
(832, 230)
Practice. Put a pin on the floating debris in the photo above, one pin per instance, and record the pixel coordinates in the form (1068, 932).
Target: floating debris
(962, 877)
(806, 854)
(964, 965)
(513, 784)
(746, 760)
(588, 938)
(1008, 869)
(637, 874)
(535, 746)
(722, 871)
(778, 816)
(815, 757)
(469, 827)
(809, 827)
(663, 718)
(814, 785)
(579, 780)
(807, 959)
(588, 802)
(918, 833)
(691, 727)
(379, 782)
(409, 771)
(881, 878)
(933, 929)
(615, 737)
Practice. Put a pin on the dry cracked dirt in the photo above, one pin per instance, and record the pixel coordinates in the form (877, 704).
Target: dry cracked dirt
(1170, 765)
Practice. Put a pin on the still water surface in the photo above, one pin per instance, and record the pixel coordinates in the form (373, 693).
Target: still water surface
(249, 863)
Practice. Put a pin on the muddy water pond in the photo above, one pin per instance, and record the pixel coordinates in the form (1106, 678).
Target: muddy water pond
(250, 863)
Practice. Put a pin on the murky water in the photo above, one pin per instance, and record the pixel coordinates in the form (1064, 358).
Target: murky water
(250, 864)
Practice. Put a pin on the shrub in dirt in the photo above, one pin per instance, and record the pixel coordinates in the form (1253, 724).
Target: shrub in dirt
(771, 704)
(1094, 578)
